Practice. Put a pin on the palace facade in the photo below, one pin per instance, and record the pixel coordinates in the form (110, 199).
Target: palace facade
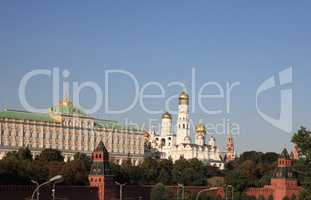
(175, 146)
(69, 130)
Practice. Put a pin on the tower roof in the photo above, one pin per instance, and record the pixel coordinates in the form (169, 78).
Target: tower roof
(101, 147)
(183, 98)
(100, 165)
(166, 115)
(183, 95)
(285, 154)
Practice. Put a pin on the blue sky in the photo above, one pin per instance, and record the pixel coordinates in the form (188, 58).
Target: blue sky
(244, 41)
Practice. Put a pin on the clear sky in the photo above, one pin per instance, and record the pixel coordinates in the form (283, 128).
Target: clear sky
(236, 41)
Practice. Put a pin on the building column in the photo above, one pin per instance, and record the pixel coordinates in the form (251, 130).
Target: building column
(6, 134)
(66, 139)
(1, 134)
(41, 137)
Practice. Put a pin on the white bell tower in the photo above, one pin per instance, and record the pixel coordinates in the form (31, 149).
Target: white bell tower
(183, 125)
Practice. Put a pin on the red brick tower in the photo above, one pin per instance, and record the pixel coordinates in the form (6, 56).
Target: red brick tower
(295, 153)
(230, 154)
(100, 174)
(284, 180)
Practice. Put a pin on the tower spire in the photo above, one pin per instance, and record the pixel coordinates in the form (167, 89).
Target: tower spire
(230, 154)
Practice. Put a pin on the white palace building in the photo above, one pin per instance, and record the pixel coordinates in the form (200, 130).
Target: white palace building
(179, 145)
(69, 130)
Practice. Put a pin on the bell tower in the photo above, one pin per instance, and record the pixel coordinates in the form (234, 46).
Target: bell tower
(100, 174)
(183, 125)
(230, 152)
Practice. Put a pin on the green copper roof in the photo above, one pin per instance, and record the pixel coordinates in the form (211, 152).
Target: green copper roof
(101, 123)
(63, 108)
(24, 115)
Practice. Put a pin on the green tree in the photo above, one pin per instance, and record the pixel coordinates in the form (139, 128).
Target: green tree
(303, 141)
(160, 192)
(21, 154)
(75, 173)
(119, 174)
(85, 159)
(48, 155)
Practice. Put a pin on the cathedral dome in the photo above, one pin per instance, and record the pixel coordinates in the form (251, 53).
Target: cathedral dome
(183, 98)
(200, 128)
(166, 115)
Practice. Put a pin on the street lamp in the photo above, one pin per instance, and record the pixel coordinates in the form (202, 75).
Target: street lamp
(121, 188)
(37, 184)
(182, 192)
(198, 195)
(55, 179)
(232, 192)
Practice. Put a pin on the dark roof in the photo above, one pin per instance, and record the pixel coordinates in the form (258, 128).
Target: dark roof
(101, 147)
(285, 154)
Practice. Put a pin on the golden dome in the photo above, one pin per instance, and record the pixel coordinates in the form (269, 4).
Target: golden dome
(166, 115)
(200, 128)
(183, 98)
(183, 95)
(65, 101)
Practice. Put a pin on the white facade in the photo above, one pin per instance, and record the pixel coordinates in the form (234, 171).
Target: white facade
(179, 145)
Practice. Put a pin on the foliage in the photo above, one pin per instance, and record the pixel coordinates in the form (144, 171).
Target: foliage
(48, 155)
(251, 169)
(153, 171)
(160, 192)
(303, 141)
(18, 167)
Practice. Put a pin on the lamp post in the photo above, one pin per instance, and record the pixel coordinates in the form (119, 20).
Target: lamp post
(37, 184)
(53, 188)
(232, 192)
(121, 188)
(55, 179)
(182, 191)
(198, 195)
